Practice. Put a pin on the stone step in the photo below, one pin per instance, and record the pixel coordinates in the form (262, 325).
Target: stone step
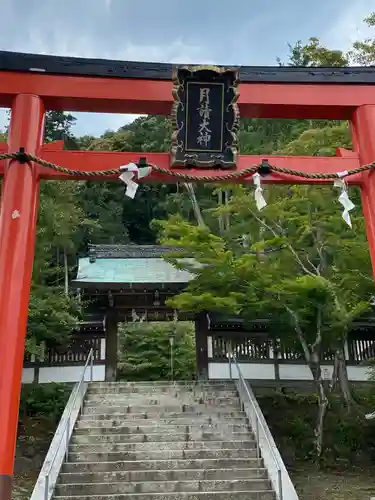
(179, 464)
(163, 441)
(161, 389)
(162, 399)
(160, 446)
(151, 386)
(93, 386)
(123, 456)
(183, 396)
(203, 495)
(119, 393)
(103, 427)
(172, 404)
(191, 486)
(108, 413)
(213, 384)
(162, 475)
(193, 436)
(117, 420)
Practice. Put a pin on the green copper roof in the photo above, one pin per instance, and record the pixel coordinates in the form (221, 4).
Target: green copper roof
(134, 270)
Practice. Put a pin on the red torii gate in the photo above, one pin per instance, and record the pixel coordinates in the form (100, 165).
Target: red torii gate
(30, 84)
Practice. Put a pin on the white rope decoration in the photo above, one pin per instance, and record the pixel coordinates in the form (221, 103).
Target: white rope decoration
(347, 204)
(258, 194)
(128, 173)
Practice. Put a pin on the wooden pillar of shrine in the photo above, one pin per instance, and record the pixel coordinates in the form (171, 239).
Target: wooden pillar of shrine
(201, 335)
(111, 356)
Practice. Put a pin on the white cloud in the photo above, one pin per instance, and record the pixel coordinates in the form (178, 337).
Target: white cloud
(3, 119)
(94, 124)
(177, 52)
(63, 44)
(349, 26)
(71, 36)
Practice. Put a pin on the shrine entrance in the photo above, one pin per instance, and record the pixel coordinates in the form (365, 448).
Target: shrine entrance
(206, 104)
(131, 284)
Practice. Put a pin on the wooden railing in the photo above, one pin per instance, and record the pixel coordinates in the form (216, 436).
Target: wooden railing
(74, 353)
(245, 348)
(249, 348)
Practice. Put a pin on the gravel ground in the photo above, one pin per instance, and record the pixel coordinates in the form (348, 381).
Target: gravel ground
(313, 485)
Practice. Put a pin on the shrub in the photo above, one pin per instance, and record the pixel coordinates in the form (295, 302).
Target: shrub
(145, 351)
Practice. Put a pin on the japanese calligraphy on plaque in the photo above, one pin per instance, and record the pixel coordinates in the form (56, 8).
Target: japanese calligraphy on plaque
(206, 117)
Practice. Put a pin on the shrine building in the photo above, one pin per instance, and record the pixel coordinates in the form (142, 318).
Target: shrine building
(127, 283)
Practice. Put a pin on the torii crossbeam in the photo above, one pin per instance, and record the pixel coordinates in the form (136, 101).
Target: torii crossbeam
(30, 84)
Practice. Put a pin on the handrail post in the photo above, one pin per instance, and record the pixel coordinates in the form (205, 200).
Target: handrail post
(92, 365)
(230, 356)
(67, 439)
(46, 487)
(257, 435)
(280, 484)
(82, 389)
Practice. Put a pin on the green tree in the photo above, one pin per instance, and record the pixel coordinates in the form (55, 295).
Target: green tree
(363, 51)
(119, 218)
(309, 280)
(58, 126)
(300, 223)
(322, 141)
(145, 351)
(53, 316)
(52, 313)
(314, 54)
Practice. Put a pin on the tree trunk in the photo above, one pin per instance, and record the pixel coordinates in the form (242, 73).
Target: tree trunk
(197, 211)
(340, 377)
(312, 357)
(227, 215)
(66, 273)
(322, 407)
(221, 218)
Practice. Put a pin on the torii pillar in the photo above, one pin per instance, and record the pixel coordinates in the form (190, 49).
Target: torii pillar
(19, 209)
(363, 138)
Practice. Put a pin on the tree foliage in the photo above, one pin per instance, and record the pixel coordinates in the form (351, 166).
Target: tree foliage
(314, 54)
(297, 261)
(145, 351)
(363, 52)
(295, 258)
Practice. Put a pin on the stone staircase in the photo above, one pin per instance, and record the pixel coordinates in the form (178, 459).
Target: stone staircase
(150, 441)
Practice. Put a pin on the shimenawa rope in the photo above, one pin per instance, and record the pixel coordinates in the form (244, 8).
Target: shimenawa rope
(265, 167)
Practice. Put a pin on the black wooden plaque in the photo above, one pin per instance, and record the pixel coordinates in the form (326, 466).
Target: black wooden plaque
(206, 117)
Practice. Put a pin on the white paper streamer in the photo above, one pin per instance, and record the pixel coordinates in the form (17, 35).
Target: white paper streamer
(344, 173)
(258, 195)
(129, 172)
(347, 204)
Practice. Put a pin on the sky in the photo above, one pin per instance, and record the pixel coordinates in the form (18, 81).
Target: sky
(238, 32)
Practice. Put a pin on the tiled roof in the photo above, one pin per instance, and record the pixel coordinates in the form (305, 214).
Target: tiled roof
(129, 270)
(128, 251)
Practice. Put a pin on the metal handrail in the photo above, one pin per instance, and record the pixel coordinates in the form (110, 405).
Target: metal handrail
(260, 420)
(65, 431)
